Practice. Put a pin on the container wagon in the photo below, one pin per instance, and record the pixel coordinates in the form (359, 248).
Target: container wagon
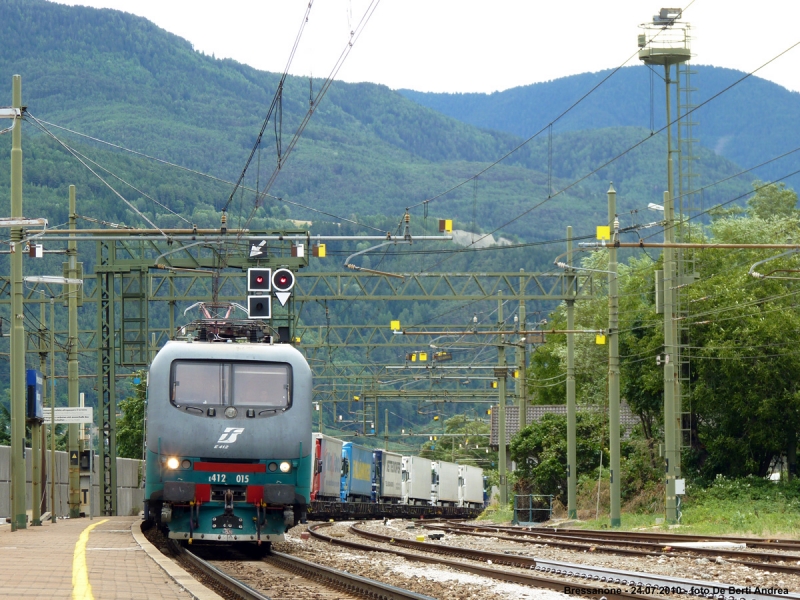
(444, 484)
(387, 481)
(416, 480)
(327, 472)
(357, 473)
(470, 486)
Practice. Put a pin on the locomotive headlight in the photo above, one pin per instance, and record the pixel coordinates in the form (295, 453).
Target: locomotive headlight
(230, 412)
(285, 467)
(173, 462)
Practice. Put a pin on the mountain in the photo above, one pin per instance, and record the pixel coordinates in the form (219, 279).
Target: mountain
(751, 122)
(367, 153)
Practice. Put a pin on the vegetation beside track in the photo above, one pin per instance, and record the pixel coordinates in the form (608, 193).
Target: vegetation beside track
(744, 506)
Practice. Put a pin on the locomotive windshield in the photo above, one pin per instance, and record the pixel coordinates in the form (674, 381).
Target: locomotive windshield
(207, 382)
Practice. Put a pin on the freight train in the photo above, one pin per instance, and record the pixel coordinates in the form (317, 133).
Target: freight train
(230, 455)
(352, 481)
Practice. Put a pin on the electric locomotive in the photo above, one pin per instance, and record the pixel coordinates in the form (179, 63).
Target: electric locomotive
(228, 435)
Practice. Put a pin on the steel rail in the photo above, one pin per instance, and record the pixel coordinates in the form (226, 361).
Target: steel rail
(343, 579)
(772, 543)
(649, 582)
(239, 589)
(588, 590)
(647, 548)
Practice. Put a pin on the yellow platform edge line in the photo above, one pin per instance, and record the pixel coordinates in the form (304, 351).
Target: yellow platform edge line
(81, 588)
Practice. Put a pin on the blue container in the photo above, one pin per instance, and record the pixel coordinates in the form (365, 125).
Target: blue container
(357, 473)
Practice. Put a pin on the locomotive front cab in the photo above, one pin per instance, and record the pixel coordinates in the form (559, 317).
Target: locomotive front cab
(228, 463)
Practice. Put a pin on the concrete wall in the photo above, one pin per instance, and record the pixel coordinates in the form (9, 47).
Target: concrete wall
(130, 484)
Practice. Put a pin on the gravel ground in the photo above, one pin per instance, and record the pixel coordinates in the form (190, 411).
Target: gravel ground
(443, 582)
(437, 582)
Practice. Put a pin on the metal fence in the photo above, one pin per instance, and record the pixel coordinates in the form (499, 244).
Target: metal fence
(532, 508)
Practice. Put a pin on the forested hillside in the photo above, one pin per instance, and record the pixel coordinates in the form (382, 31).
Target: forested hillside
(749, 123)
(367, 151)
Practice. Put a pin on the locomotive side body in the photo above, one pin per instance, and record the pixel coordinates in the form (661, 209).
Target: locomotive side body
(387, 481)
(228, 441)
(357, 473)
(444, 484)
(470, 486)
(327, 468)
(416, 480)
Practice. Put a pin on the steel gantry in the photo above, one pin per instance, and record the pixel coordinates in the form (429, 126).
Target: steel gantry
(141, 281)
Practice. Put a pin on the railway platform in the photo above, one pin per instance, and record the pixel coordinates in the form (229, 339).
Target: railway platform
(86, 559)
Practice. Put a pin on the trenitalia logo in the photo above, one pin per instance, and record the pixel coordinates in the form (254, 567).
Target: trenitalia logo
(230, 435)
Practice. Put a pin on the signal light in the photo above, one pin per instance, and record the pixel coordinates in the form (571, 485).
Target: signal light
(258, 279)
(283, 282)
(259, 307)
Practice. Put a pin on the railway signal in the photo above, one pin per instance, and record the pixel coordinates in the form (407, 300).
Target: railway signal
(259, 279)
(259, 307)
(283, 282)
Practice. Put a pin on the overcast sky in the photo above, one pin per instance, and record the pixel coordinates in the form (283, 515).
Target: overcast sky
(472, 45)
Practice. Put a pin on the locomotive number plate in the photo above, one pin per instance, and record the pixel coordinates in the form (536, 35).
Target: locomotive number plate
(229, 478)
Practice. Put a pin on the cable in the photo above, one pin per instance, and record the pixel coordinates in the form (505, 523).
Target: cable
(354, 35)
(276, 99)
(108, 185)
(205, 175)
(618, 156)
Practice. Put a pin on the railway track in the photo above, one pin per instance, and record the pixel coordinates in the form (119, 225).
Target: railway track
(588, 587)
(612, 583)
(287, 577)
(660, 537)
(633, 544)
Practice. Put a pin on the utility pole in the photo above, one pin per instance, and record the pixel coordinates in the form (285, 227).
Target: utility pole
(613, 360)
(572, 452)
(19, 517)
(521, 384)
(36, 429)
(501, 372)
(670, 439)
(53, 512)
(72, 364)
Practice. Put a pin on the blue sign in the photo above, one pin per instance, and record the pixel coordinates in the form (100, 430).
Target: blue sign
(35, 383)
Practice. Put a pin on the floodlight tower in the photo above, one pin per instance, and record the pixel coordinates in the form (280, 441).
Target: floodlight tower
(665, 42)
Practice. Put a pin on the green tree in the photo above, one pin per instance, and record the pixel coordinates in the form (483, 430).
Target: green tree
(540, 452)
(772, 201)
(130, 427)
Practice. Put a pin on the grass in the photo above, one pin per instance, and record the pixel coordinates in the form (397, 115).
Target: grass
(746, 507)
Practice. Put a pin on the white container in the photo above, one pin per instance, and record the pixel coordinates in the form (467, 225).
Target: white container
(416, 480)
(326, 471)
(444, 484)
(391, 479)
(470, 486)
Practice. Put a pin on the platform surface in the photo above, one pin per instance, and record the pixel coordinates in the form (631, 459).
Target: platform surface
(84, 559)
